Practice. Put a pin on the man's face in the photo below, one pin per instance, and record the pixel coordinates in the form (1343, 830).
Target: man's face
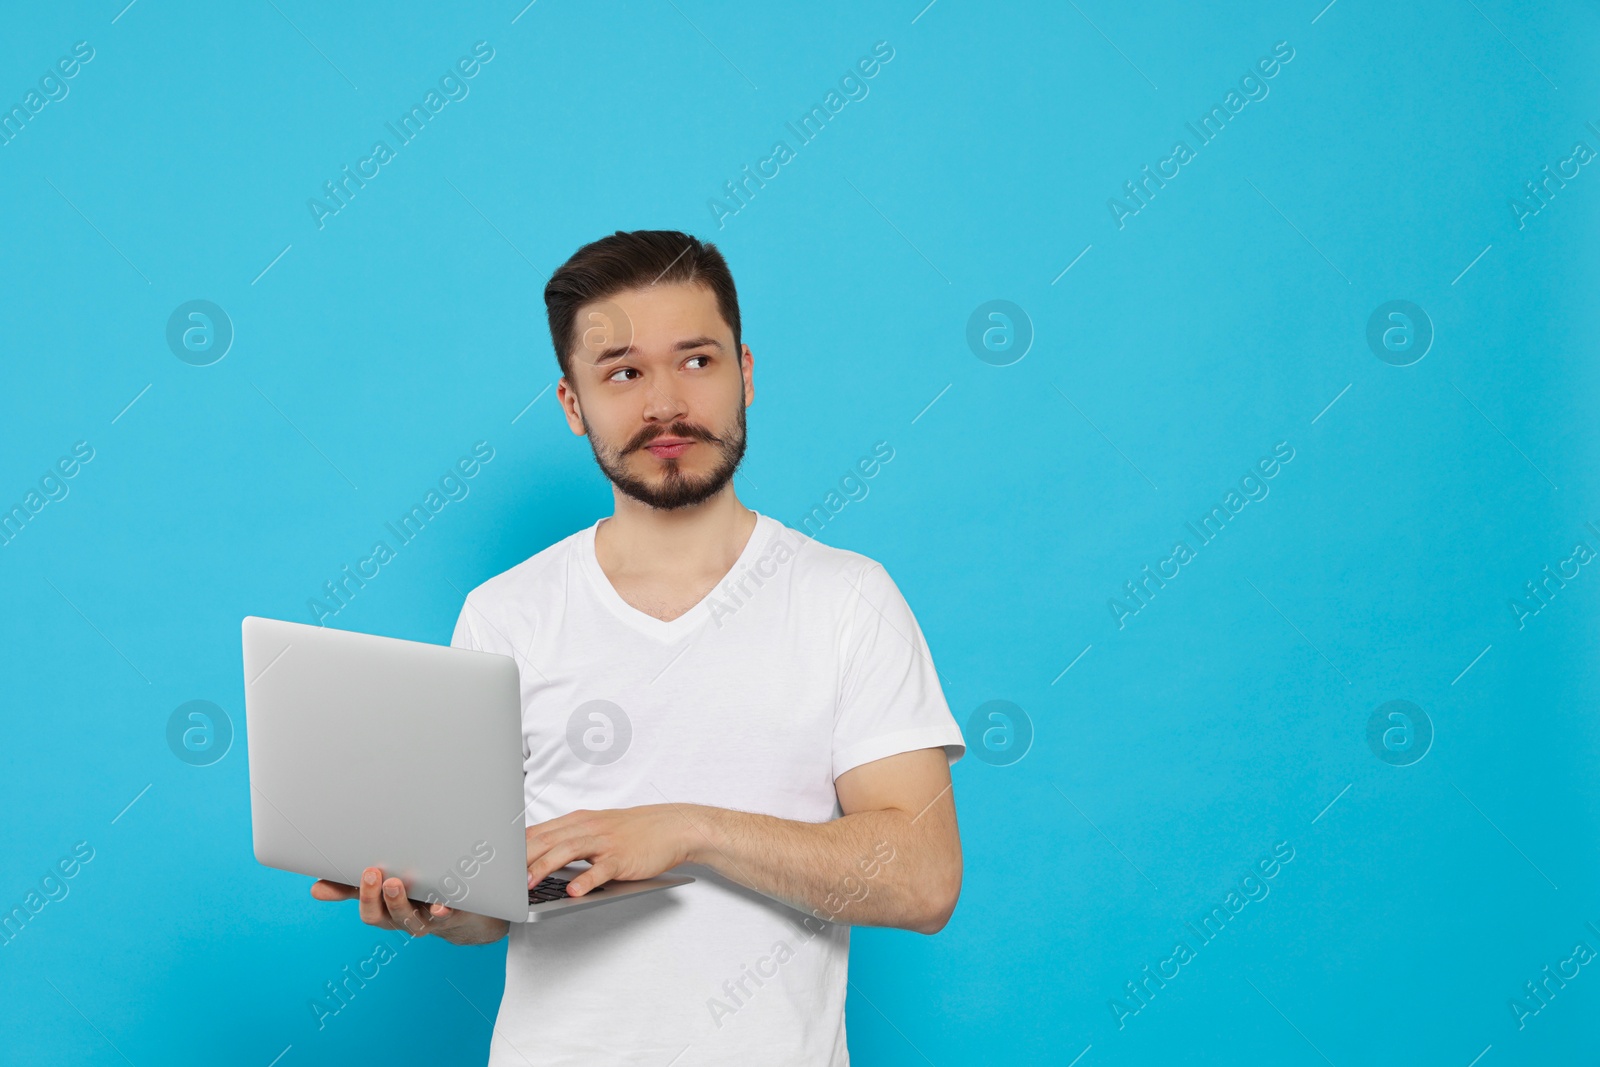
(660, 392)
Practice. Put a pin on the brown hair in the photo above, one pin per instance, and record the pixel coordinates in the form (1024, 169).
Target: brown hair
(633, 260)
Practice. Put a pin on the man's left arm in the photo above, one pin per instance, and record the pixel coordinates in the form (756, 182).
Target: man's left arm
(893, 858)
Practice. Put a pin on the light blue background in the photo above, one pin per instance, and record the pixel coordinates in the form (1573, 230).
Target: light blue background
(1226, 716)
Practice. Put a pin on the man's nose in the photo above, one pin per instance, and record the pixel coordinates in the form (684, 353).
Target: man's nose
(663, 404)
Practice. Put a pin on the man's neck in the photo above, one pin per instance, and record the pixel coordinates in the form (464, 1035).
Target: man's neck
(644, 542)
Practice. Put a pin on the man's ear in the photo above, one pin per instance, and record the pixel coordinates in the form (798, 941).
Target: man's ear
(567, 396)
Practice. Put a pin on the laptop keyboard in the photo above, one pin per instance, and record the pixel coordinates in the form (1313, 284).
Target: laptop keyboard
(552, 888)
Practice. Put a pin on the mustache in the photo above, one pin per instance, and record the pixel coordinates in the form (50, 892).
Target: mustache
(678, 430)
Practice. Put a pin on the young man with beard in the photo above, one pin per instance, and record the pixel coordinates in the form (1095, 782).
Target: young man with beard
(791, 753)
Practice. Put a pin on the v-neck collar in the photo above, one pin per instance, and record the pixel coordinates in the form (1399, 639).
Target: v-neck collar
(649, 625)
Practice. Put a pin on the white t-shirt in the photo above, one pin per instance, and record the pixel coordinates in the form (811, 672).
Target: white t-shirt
(805, 662)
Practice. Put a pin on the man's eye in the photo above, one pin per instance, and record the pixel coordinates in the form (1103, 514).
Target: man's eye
(700, 357)
(621, 370)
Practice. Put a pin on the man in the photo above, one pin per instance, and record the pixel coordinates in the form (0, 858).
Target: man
(704, 690)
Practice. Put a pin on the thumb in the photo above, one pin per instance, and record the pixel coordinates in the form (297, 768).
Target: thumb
(323, 889)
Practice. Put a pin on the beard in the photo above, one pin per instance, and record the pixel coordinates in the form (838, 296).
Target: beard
(673, 488)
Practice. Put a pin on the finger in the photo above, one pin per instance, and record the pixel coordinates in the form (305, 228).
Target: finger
(545, 836)
(558, 857)
(442, 917)
(544, 845)
(598, 874)
(323, 889)
(552, 830)
(373, 913)
(403, 912)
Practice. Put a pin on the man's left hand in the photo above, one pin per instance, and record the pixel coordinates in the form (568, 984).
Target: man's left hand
(623, 843)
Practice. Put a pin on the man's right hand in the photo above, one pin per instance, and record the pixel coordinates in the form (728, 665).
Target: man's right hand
(384, 904)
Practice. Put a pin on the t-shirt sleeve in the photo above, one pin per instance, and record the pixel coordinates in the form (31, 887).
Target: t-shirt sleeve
(890, 699)
(465, 636)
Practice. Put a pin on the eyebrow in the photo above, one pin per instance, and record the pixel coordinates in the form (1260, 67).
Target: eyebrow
(682, 346)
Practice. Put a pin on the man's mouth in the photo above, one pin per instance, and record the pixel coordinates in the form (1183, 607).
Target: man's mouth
(669, 447)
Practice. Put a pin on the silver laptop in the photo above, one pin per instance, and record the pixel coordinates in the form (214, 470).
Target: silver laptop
(371, 751)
